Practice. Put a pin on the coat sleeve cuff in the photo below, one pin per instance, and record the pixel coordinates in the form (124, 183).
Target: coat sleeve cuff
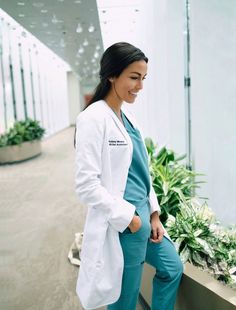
(154, 205)
(122, 214)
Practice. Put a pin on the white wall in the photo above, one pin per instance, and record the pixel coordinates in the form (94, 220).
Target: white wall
(157, 30)
(213, 67)
(73, 96)
(160, 108)
(162, 39)
(46, 98)
(213, 91)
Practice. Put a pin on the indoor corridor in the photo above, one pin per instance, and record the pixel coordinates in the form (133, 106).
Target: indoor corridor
(40, 214)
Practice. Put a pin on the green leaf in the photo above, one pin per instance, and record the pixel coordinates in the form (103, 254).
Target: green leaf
(198, 232)
(206, 247)
(196, 258)
(165, 188)
(185, 254)
(27, 130)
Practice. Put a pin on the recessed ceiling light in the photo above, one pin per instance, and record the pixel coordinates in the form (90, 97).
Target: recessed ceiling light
(85, 43)
(44, 11)
(91, 28)
(96, 54)
(81, 50)
(38, 4)
(79, 28)
(54, 19)
(62, 43)
(77, 1)
(21, 15)
(32, 26)
(20, 3)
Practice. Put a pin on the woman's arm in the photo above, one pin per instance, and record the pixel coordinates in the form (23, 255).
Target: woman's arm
(89, 142)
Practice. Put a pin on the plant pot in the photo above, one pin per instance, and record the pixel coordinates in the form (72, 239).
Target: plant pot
(198, 290)
(16, 153)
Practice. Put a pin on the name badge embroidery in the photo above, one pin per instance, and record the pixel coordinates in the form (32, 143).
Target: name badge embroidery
(117, 142)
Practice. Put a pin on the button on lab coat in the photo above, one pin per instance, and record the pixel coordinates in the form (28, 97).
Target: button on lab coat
(103, 156)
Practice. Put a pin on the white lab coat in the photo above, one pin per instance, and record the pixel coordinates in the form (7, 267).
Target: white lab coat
(103, 156)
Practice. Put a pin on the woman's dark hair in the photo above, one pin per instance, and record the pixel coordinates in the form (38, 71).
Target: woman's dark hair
(114, 60)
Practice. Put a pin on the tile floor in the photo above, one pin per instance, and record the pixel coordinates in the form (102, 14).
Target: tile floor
(39, 215)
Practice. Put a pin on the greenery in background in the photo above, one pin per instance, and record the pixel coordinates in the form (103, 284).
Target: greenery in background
(171, 179)
(22, 131)
(199, 237)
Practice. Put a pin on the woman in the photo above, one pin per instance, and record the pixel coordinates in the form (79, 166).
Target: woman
(122, 228)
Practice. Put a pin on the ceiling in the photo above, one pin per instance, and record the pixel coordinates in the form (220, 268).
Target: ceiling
(120, 20)
(70, 28)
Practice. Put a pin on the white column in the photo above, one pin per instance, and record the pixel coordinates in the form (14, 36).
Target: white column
(74, 98)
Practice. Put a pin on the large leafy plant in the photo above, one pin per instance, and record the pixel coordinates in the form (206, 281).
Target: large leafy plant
(201, 240)
(171, 180)
(27, 130)
(199, 237)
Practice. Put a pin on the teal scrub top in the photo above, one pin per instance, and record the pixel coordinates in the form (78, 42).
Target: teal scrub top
(138, 181)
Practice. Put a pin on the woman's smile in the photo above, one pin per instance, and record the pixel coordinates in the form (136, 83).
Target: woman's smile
(134, 94)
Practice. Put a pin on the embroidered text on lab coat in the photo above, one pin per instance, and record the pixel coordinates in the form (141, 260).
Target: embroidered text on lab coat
(117, 142)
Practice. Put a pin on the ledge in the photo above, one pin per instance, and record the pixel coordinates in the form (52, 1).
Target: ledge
(18, 153)
(198, 290)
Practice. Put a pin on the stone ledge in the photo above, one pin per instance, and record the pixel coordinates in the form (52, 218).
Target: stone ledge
(17, 153)
(198, 290)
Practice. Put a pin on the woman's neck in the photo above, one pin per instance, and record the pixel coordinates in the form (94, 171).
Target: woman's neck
(114, 104)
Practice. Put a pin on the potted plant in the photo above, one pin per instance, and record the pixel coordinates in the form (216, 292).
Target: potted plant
(199, 238)
(21, 142)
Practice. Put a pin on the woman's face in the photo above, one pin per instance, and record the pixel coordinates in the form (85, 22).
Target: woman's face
(130, 82)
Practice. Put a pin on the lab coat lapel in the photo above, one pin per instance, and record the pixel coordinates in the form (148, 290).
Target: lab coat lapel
(120, 126)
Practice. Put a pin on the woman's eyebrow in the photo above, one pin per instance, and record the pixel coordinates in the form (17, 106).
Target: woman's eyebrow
(138, 73)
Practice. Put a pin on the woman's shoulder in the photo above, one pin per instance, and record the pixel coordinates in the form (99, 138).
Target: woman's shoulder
(94, 112)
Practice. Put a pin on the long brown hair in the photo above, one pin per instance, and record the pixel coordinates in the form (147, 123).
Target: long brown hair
(114, 60)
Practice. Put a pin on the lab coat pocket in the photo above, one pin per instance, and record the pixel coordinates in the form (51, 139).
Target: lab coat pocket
(118, 147)
(145, 229)
(128, 231)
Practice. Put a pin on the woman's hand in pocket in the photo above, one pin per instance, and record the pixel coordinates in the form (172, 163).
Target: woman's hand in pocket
(135, 224)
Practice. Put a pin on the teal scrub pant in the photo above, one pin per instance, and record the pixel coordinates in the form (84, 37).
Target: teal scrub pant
(137, 249)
